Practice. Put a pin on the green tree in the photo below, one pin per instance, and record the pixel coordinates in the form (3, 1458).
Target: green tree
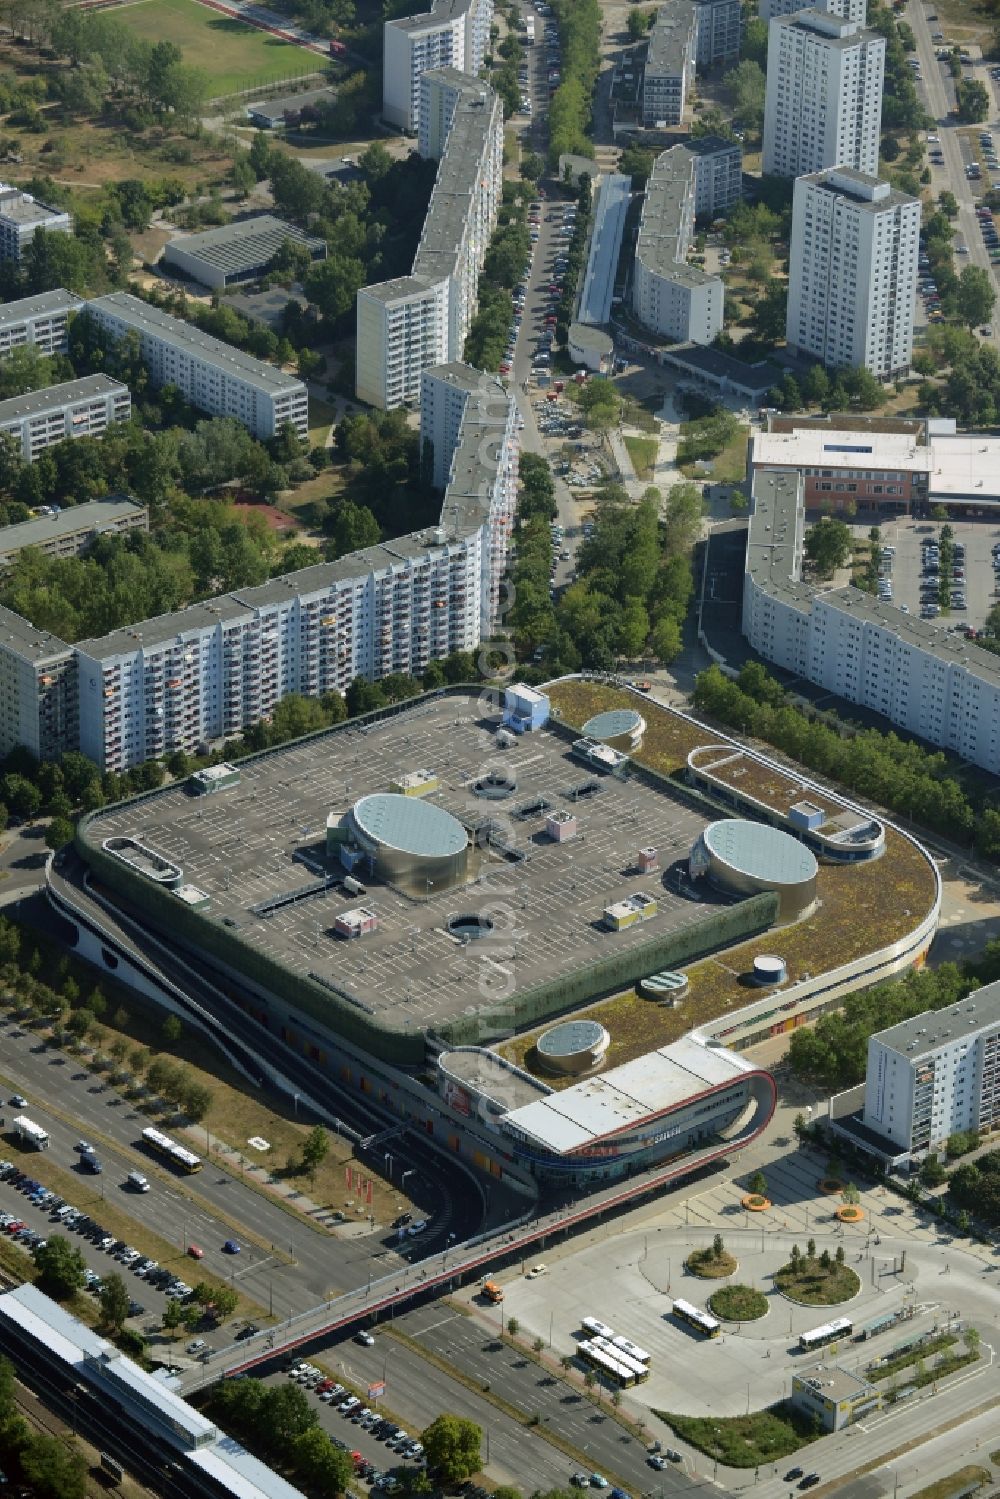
(288, 1413)
(315, 1149)
(639, 22)
(665, 640)
(932, 1173)
(114, 1301)
(973, 101)
(54, 1468)
(59, 832)
(718, 1247)
(828, 545)
(452, 1447)
(851, 1195)
(948, 203)
(748, 84)
(322, 1467)
(172, 1029)
(769, 313)
(513, 1326)
(758, 1184)
(60, 1265)
(975, 296)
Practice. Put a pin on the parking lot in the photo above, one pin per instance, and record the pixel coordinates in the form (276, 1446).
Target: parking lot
(912, 573)
(30, 1214)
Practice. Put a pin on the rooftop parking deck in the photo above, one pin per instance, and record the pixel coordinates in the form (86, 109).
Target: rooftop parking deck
(259, 852)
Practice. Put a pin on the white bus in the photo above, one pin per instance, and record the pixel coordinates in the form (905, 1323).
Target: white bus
(632, 1349)
(529, 27)
(610, 1367)
(638, 1370)
(701, 1321)
(841, 1327)
(597, 1329)
(30, 1133)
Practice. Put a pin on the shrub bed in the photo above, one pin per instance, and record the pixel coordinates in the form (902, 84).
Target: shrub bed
(745, 1441)
(709, 1265)
(738, 1303)
(811, 1283)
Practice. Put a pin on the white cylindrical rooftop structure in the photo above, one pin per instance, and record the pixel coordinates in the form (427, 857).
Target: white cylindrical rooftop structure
(747, 857)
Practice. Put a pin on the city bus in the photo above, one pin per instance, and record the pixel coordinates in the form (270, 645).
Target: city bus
(597, 1329)
(632, 1349)
(638, 1371)
(701, 1321)
(176, 1155)
(818, 1337)
(610, 1367)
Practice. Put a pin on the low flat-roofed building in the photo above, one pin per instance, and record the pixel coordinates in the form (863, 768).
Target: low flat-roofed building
(634, 1114)
(714, 369)
(76, 408)
(237, 252)
(835, 1397)
(613, 197)
(42, 320)
(844, 469)
(272, 114)
(591, 347)
(70, 531)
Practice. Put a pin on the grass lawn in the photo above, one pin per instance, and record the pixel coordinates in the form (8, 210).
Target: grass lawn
(321, 418)
(710, 1266)
(956, 1483)
(727, 467)
(738, 1303)
(807, 1282)
(745, 1441)
(306, 502)
(234, 56)
(963, 22)
(642, 451)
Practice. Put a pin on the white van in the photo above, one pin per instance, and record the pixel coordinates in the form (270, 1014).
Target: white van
(138, 1182)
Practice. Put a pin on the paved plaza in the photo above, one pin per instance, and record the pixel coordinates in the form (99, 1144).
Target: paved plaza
(252, 848)
(627, 1275)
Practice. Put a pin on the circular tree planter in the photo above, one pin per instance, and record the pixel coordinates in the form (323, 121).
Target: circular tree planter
(830, 1186)
(808, 1284)
(738, 1304)
(850, 1213)
(754, 1203)
(704, 1264)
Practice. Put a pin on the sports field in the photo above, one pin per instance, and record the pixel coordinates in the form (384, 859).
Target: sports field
(234, 56)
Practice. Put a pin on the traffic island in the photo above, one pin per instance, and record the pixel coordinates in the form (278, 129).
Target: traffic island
(830, 1186)
(738, 1304)
(713, 1263)
(849, 1213)
(822, 1280)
